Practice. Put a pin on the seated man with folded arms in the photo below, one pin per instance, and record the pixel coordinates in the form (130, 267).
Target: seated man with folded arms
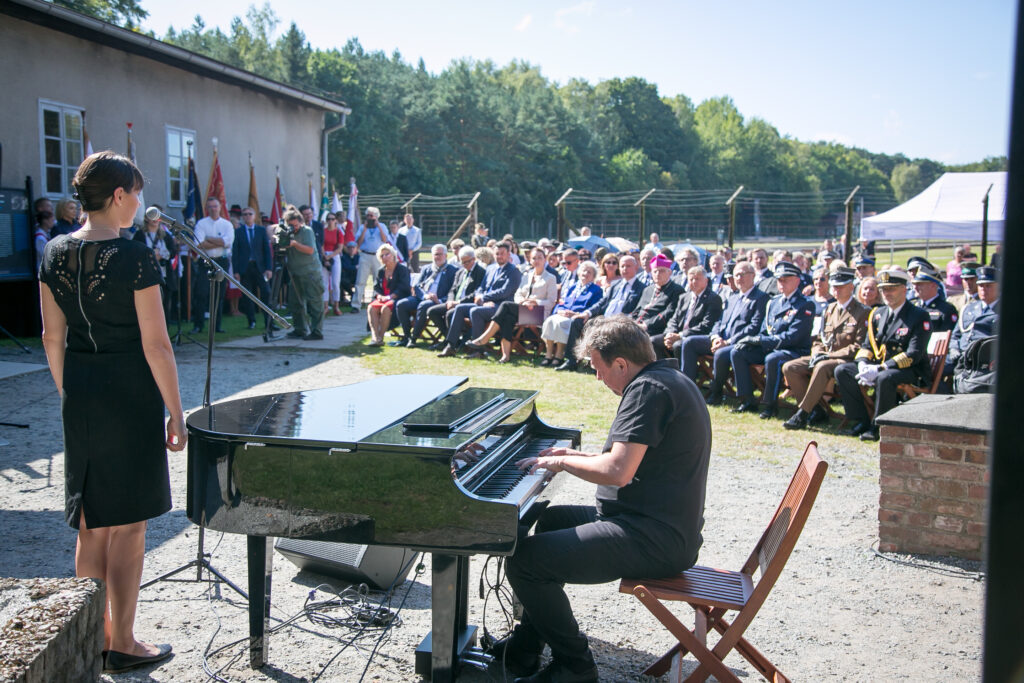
(785, 334)
(500, 284)
(464, 287)
(658, 302)
(651, 478)
(435, 281)
(698, 311)
(743, 315)
(844, 326)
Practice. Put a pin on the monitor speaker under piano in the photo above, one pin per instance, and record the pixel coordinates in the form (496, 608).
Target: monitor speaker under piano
(378, 566)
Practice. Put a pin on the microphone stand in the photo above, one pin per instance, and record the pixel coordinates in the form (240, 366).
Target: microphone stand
(216, 274)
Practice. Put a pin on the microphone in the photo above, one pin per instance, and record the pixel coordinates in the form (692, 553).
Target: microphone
(155, 214)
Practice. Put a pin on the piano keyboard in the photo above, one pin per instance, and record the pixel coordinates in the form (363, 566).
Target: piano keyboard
(508, 477)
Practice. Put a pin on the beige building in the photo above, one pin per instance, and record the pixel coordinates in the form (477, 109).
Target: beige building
(66, 73)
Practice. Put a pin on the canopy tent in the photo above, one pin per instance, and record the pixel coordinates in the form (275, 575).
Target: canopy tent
(949, 209)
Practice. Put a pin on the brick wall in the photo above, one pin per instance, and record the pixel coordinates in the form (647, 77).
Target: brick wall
(933, 488)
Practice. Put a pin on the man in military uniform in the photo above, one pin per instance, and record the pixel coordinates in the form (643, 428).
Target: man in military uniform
(914, 264)
(865, 266)
(927, 286)
(785, 335)
(969, 276)
(896, 353)
(843, 330)
(979, 318)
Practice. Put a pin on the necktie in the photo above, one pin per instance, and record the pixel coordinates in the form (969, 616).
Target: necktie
(464, 285)
(689, 312)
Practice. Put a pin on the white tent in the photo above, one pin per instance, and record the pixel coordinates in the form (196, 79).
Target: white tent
(949, 209)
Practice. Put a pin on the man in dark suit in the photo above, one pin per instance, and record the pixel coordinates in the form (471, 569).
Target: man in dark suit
(896, 352)
(743, 315)
(659, 300)
(621, 297)
(250, 259)
(467, 280)
(785, 334)
(698, 311)
(318, 228)
(764, 278)
(432, 288)
(500, 284)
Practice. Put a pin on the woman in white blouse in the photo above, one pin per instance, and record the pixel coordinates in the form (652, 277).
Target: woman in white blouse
(539, 290)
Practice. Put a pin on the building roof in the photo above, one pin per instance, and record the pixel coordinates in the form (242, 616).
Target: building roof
(89, 28)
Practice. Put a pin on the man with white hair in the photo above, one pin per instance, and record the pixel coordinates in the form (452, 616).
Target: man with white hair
(371, 234)
(432, 288)
(463, 289)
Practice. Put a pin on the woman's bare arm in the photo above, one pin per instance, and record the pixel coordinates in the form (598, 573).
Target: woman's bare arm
(157, 347)
(55, 334)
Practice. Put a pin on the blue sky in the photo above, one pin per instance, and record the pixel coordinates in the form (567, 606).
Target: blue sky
(926, 79)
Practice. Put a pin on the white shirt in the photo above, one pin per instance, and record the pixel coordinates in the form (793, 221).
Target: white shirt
(222, 228)
(413, 236)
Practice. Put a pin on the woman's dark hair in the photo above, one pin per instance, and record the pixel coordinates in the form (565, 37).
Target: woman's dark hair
(101, 174)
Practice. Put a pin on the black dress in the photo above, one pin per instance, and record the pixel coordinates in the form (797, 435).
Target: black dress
(115, 458)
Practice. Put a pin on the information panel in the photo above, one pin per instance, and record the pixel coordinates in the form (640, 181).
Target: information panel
(17, 262)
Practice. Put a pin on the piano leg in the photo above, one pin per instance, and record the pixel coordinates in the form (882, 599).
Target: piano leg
(437, 657)
(261, 566)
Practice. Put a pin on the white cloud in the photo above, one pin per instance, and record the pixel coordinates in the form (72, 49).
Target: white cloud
(892, 122)
(524, 23)
(564, 16)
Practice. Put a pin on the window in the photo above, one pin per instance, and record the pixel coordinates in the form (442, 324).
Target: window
(179, 140)
(61, 148)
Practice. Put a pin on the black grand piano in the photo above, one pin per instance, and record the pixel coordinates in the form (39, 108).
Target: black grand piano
(404, 460)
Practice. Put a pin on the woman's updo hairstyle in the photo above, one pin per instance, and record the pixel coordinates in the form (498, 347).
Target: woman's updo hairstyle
(100, 175)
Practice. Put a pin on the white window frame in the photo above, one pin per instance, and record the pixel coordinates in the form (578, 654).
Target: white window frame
(61, 108)
(184, 158)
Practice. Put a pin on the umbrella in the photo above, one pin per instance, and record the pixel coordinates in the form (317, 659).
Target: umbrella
(702, 254)
(592, 243)
(623, 244)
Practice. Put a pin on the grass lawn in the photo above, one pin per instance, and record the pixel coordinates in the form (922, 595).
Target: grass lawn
(578, 399)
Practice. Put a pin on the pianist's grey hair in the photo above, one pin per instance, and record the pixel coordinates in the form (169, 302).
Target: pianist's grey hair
(616, 336)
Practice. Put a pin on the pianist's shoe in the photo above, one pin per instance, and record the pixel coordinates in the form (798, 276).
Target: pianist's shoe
(556, 672)
(516, 655)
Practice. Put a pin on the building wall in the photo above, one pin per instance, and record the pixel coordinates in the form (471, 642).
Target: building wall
(115, 87)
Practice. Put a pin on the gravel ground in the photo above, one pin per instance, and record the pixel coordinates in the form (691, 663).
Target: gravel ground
(839, 612)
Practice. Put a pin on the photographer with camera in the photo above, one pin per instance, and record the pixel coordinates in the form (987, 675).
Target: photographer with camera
(306, 290)
(371, 234)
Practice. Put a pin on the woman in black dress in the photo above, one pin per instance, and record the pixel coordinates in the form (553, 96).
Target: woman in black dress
(107, 346)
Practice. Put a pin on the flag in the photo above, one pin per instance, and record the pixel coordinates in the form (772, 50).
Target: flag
(325, 201)
(276, 209)
(254, 200)
(87, 143)
(215, 188)
(193, 210)
(353, 212)
(336, 205)
(313, 203)
(140, 215)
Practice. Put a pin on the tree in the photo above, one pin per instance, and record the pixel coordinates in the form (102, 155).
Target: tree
(126, 13)
(907, 181)
(632, 169)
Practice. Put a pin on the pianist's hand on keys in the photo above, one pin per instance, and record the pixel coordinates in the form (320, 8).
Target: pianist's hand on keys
(548, 459)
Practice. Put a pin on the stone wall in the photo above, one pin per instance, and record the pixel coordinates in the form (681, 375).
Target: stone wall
(54, 631)
(934, 483)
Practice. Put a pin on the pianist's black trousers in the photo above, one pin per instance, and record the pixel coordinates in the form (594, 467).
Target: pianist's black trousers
(571, 544)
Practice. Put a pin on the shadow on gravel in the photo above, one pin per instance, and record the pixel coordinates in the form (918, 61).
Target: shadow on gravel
(619, 663)
(30, 533)
(418, 593)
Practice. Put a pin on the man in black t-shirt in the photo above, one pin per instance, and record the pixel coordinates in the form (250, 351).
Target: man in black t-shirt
(651, 477)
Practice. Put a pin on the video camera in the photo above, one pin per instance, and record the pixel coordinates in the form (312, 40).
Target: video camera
(282, 237)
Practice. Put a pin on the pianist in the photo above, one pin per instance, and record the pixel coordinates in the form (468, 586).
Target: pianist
(651, 476)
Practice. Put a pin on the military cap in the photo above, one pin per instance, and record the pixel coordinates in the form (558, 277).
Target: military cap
(893, 277)
(842, 276)
(987, 274)
(926, 274)
(918, 261)
(785, 268)
(969, 269)
(863, 260)
(829, 254)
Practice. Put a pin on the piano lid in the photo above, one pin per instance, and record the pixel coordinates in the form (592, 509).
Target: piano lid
(337, 416)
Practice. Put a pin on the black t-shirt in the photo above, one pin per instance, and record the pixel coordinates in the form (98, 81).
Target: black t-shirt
(664, 410)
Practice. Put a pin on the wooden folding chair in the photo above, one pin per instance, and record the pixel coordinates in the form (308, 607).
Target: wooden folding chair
(713, 592)
(706, 373)
(525, 339)
(938, 347)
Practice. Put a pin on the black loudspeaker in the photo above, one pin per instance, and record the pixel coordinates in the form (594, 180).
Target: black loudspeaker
(378, 566)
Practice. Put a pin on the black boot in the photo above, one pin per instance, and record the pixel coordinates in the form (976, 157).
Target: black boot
(798, 421)
(818, 416)
(519, 651)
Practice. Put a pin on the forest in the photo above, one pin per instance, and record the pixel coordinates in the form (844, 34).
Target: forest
(522, 140)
